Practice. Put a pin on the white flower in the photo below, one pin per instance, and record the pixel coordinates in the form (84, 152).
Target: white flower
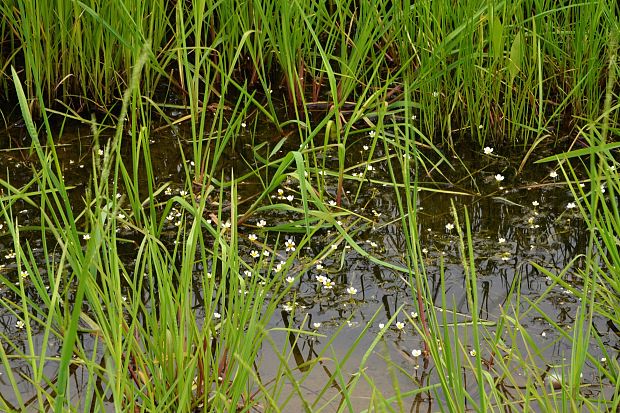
(372, 133)
(414, 314)
(351, 290)
(217, 315)
(261, 223)
(570, 205)
(20, 324)
(425, 250)
(290, 279)
(435, 94)
(254, 254)
(252, 237)
(499, 177)
(226, 224)
(535, 203)
(488, 150)
(366, 147)
(328, 284)
(449, 226)
(290, 245)
(472, 353)
(86, 237)
(332, 203)
(416, 352)
(400, 325)
(100, 152)
(603, 359)
(182, 192)
(247, 273)
(316, 325)
(290, 198)
(381, 325)
(502, 240)
(287, 307)
(553, 174)
(243, 125)
(266, 253)
(24, 274)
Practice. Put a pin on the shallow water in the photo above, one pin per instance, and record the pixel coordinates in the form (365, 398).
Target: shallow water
(519, 221)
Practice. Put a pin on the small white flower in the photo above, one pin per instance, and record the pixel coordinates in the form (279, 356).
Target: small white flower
(86, 237)
(370, 168)
(352, 290)
(499, 177)
(603, 360)
(254, 254)
(266, 253)
(553, 174)
(381, 325)
(182, 192)
(243, 125)
(535, 203)
(290, 198)
(252, 237)
(603, 189)
(24, 274)
(400, 325)
(435, 94)
(290, 245)
(226, 224)
(416, 352)
(288, 307)
(425, 250)
(332, 203)
(247, 273)
(100, 152)
(261, 223)
(217, 315)
(414, 314)
(449, 226)
(488, 150)
(502, 240)
(543, 334)
(328, 284)
(372, 133)
(570, 205)
(316, 325)
(473, 353)
(290, 279)
(20, 324)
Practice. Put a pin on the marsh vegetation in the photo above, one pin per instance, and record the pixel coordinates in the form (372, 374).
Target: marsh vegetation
(309, 206)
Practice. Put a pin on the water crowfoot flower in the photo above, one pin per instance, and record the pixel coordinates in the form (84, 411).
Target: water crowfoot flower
(290, 245)
(553, 174)
(254, 254)
(261, 223)
(488, 150)
(290, 279)
(20, 324)
(400, 325)
(570, 205)
(316, 325)
(416, 352)
(499, 177)
(252, 237)
(351, 290)
(449, 226)
(288, 307)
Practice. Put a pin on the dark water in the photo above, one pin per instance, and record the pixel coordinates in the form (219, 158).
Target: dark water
(515, 223)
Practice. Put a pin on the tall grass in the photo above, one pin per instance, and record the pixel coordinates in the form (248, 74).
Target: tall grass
(494, 71)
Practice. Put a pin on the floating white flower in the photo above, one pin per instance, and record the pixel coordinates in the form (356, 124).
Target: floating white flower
(332, 203)
(254, 254)
(381, 325)
(86, 237)
(553, 174)
(473, 353)
(570, 205)
(488, 150)
(316, 325)
(288, 307)
(290, 279)
(535, 203)
(416, 352)
(499, 177)
(243, 125)
(261, 223)
(290, 198)
(217, 315)
(449, 226)
(414, 314)
(435, 94)
(502, 240)
(252, 237)
(20, 324)
(266, 253)
(24, 274)
(372, 133)
(400, 325)
(352, 290)
(290, 245)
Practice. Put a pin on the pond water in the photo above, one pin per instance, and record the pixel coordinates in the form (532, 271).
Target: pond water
(522, 220)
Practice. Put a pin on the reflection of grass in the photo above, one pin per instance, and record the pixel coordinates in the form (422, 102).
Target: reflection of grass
(181, 327)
